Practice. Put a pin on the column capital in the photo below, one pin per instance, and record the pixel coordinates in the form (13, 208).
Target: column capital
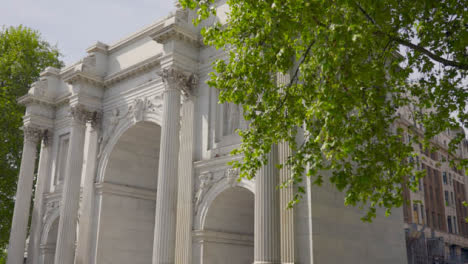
(82, 115)
(174, 78)
(32, 134)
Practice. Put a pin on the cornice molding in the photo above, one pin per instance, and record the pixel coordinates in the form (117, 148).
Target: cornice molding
(176, 32)
(124, 190)
(133, 70)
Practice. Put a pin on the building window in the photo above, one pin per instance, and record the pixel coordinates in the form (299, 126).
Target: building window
(455, 225)
(446, 193)
(64, 141)
(450, 179)
(422, 214)
(449, 224)
(452, 198)
(416, 213)
(444, 177)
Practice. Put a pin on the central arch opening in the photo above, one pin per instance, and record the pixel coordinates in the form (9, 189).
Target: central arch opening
(128, 194)
(229, 228)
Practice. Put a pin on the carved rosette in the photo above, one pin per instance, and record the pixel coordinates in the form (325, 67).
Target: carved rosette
(32, 134)
(176, 79)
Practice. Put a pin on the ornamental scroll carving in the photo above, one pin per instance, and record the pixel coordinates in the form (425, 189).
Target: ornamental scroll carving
(176, 79)
(82, 115)
(32, 134)
(135, 111)
(207, 180)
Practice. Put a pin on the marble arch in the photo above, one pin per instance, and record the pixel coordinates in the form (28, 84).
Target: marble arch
(80, 113)
(120, 128)
(211, 195)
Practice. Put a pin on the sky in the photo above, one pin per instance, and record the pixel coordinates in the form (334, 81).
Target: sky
(75, 25)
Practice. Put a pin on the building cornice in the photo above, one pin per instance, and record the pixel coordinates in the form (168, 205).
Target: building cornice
(133, 70)
(174, 31)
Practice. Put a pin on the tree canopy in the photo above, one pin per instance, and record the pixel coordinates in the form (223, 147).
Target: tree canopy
(23, 55)
(352, 65)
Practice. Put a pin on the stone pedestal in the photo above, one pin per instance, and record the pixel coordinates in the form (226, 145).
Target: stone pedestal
(166, 196)
(19, 226)
(66, 238)
(267, 216)
(38, 210)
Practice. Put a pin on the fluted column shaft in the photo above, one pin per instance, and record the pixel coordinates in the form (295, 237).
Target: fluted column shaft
(185, 187)
(166, 197)
(38, 210)
(65, 250)
(20, 220)
(86, 211)
(286, 214)
(267, 215)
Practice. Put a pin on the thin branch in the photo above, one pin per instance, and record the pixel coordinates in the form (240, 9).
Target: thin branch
(296, 73)
(415, 47)
(431, 55)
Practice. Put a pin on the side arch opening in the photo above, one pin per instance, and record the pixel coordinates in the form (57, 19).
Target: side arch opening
(228, 230)
(127, 197)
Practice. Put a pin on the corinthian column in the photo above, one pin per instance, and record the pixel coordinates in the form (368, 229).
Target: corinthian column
(66, 237)
(166, 198)
(42, 178)
(20, 220)
(267, 217)
(85, 241)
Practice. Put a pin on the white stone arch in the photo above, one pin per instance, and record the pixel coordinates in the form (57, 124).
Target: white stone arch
(126, 206)
(47, 250)
(216, 238)
(50, 219)
(211, 195)
(122, 126)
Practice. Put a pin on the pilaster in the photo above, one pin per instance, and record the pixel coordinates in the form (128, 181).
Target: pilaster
(85, 242)
(267, 216)
(176, 83)
(19, 224)
(66, 238)
(286, 214)
(185, 187)
(38, 210)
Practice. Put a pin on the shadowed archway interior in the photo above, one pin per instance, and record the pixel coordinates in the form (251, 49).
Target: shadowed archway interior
(229, 228)
(128, 194)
